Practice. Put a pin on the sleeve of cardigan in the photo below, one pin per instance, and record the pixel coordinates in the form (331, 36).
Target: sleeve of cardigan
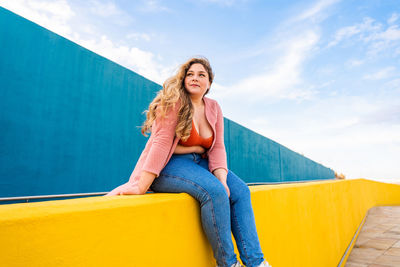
(163, 133)
(217, 155)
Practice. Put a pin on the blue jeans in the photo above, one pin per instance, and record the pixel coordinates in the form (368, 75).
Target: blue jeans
(220, 215)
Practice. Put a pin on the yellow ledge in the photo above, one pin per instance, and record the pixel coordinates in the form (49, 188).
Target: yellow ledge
(306, 224)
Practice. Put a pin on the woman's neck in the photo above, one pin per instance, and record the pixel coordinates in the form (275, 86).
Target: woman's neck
(197, 101)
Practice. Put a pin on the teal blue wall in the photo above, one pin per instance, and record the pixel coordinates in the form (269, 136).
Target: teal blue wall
(256, 158)
(69, 120)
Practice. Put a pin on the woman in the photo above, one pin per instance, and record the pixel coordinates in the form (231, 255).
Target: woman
(186, 153)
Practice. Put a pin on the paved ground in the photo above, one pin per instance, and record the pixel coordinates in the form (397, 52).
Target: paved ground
(378, 244)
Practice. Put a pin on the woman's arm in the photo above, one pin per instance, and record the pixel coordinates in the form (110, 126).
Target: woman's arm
(163, 132)
(217, 154)
(189, 149)
(146, 179)
(163, 135)
(139, 187)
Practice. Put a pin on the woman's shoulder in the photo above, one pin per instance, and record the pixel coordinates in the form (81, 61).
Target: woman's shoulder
(168, 114)
(171, 108)
(212, 102)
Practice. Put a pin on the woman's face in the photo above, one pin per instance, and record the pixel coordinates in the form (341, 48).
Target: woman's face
(196, 80)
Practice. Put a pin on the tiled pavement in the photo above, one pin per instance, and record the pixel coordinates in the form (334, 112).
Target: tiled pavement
(378, 244)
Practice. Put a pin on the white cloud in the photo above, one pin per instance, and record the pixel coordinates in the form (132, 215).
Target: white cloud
(345, 32)
(140, 61)
(316, 9)
(104, 9)
(326, 84)
(392, 33)
(224, 2)
(53, 15)
(107, 11)
(366, 27)
(393, 18)
(378, 38)
(381, 74)
(393, 84)
(139, 36)
(386, 115)
(153, 6)
(355, 62)
(283, 79)
(285, 74)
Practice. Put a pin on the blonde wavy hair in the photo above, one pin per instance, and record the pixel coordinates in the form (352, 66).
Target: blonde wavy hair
(174, 90)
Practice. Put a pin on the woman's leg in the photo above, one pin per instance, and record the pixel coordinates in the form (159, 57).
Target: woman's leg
(183, 174)
(243, 222)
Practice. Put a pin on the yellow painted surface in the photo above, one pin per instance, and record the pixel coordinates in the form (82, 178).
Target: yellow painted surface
(305, 224)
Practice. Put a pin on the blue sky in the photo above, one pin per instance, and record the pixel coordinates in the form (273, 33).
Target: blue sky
(320, 77)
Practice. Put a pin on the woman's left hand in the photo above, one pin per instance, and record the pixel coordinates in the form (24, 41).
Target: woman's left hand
(221, 176)
(129, 188)
(226, 188)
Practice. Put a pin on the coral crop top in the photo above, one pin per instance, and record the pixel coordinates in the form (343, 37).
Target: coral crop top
(196, 140)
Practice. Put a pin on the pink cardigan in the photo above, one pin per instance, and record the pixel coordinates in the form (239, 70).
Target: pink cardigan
(163, 141)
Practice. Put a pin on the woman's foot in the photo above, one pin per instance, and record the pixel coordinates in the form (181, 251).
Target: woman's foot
(237, 264)
(264, 264)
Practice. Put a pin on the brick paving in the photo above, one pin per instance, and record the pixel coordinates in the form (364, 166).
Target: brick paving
(378, 244)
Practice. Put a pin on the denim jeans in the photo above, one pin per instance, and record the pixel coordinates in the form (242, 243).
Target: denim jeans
(220, 215)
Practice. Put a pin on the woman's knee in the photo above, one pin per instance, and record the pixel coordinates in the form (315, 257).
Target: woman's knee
(243, 191)
(238, 188)
(215, 193)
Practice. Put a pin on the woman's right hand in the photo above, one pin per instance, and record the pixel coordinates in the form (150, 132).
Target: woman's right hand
(189, 149)
(129, 188)
(199, 149)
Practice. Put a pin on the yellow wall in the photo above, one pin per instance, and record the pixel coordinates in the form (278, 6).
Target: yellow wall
(304, 224)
